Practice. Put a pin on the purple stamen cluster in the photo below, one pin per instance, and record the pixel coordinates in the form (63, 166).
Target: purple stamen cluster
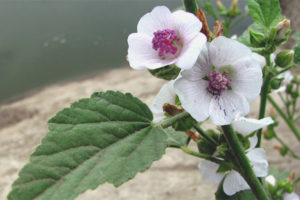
(164, 41)
(218, 82)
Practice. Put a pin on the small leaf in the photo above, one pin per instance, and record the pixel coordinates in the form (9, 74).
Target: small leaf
(105, 138)
(264, 12)
(176, 138)
(169, 72)
(245, 37)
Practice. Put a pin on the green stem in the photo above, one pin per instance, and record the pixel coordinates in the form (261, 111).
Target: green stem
(170, 121)
(191, 6)
(205, 135)
(207, 157)
(293, 154)
(243, 162)
(297, 118)
(263, 103)
(286, 119)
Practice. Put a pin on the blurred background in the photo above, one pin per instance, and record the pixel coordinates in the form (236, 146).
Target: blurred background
(47, 41)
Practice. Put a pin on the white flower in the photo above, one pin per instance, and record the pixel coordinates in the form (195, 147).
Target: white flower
(233, 181)
(165, 95)
(291, 196)
(288, 77)
(165, 38)
(271, 179)
(225, 76)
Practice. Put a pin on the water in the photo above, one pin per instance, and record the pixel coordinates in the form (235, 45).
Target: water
(45, 41)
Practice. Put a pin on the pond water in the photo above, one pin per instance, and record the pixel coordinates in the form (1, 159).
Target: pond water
(45, 41)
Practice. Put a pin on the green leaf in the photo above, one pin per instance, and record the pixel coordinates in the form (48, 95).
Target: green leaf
(245, 37)
(297, 54)
(105, 138)
(264, 12)
(169, 72)
(176, 138)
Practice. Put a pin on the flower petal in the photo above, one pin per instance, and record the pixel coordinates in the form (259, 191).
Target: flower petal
(291, 196)
(201, 68)
(224, 51)
(271, 179)
(246, 126)
(141, 55)
(259, 162)
(165, 95)
(187, 25)
(209, 172)
(194, 97)
(228, 106)
(190, 52)
(234, 183)
(247, 77)
(260, 59)
(160, 18)
(253, 141)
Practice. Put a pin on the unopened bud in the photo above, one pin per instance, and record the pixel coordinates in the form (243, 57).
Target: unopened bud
(256, 39)
(221, 8)
(284, 58)
(283, 28)
(234, 9)
(276, 83)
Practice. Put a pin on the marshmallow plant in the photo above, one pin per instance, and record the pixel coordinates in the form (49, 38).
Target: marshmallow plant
(112, 136)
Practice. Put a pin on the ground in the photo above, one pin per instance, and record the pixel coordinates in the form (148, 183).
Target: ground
(174, 177)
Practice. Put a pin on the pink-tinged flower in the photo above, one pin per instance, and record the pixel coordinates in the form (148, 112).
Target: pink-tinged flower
(226, 75)
(233, 181)
(164, 38)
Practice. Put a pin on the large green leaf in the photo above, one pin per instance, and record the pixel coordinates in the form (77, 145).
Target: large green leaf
(105, 138)
(176, 138)
(264, 12)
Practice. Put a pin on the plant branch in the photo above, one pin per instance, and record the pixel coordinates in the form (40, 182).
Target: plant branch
(204, 134)
(243, 162)
(170, 121)
(286, 119)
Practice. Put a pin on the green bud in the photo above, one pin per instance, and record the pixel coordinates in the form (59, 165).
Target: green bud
(284, 150)
(221, 8)
(234, 9)
(269, 133)
(284, 58)
(206, 147)
(257, 39)
(276, 82)
(169, 72)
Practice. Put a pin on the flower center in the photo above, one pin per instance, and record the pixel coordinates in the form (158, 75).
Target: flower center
(165, 42)
(218, 82)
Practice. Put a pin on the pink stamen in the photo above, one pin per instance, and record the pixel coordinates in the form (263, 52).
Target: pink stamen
(218, 82)
(165, 42)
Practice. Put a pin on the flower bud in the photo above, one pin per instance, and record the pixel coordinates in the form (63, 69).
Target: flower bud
(221, 8)
(276, 83)
(282, 31)
(284, 58)
(256, 39)
(234, 9)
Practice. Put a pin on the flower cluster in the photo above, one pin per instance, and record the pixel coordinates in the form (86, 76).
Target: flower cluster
(218, 79)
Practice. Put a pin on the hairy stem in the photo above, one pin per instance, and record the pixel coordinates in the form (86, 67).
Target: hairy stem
(191, 6)
(244, 164)
(288, 121)
(170, 121)
(204, 134)
(263, 97)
